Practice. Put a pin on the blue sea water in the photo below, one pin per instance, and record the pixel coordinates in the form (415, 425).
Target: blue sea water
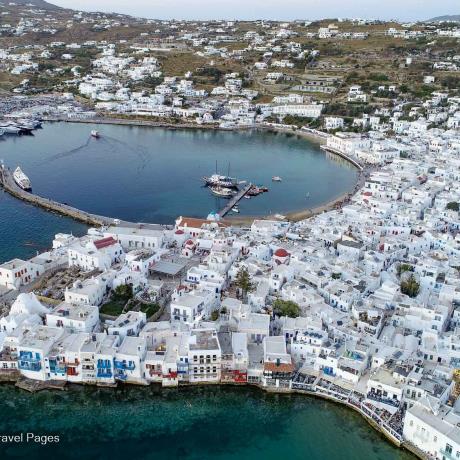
(154, 175)
(219, 423)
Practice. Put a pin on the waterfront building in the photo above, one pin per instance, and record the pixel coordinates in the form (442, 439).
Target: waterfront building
(433, 428)
(204, 356)
(98, 254)
(17, 272)
(33, 349)
(128, 360)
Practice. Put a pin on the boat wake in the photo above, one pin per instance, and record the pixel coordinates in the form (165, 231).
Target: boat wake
(142, 152)
(67, 153)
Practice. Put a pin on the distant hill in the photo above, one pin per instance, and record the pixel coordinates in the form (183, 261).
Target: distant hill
(42, 4)
(448, 18)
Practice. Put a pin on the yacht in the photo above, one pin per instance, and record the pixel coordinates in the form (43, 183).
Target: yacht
(95, 134)
(222, 192)
(276, 179)
(21, 179)
(216, 180)
(10, 129)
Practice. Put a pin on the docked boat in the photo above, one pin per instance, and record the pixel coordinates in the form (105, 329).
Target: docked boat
(217, 180)
(235, 209)
(21, 179)
(276, 179)
(221, 192)
(95, 134)
(10, 129)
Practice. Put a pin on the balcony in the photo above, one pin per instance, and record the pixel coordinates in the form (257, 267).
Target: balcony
(103, 364)
(34, 365)
(104, 374)
(123, 365)
(121, 376)
(380, 399)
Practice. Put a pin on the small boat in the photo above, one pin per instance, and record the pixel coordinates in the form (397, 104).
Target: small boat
(221, 191)
(276, 179)
(308, 194)
(22, 180)
(10, 129)
(235, 209)
(95, 134)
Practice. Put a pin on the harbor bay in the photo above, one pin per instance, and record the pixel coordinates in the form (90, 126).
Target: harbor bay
(155, 174)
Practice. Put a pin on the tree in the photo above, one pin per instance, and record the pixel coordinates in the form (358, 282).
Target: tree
(410, 286)
(243, 281)
(453, 206)
(402, 268)
(286, 308)
(214, 315)
(123, 292)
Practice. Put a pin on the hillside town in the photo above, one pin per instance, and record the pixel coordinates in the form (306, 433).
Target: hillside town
(359, 304)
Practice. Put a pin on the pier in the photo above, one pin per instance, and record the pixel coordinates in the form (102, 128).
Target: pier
(234, 200)
(8, 183)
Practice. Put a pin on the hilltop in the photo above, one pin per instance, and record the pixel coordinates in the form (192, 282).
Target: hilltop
(446, 18)
(42, 4)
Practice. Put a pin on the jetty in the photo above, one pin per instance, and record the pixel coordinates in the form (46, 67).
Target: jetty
(234, 200)
(8, 183)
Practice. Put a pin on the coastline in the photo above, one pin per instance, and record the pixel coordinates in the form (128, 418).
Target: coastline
(334, 203)
(33, 386)
(292, 216)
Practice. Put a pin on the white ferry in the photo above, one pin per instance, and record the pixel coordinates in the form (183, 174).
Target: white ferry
(95, 134)
(21, 179)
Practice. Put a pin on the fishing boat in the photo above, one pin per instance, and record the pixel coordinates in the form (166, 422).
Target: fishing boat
(21, 179)
(254, 191)
(276, 179)
(95, 134)
(221, 192)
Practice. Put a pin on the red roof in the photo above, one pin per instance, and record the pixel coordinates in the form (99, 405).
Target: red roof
(105, 242)
(281, 367)
(281, 253)
(179, 232)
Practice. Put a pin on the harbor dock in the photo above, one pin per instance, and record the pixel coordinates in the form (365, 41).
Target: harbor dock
(234, 200)
(10, 186)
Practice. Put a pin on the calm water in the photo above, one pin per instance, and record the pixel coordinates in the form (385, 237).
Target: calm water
(194, 423)
(154, 175)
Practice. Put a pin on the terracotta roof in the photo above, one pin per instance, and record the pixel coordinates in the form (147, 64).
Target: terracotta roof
(197, 223)
(105, 242)
(281, 253)
(282, 367)
(179, 232)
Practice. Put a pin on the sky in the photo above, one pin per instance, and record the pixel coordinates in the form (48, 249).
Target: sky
(270, 9)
